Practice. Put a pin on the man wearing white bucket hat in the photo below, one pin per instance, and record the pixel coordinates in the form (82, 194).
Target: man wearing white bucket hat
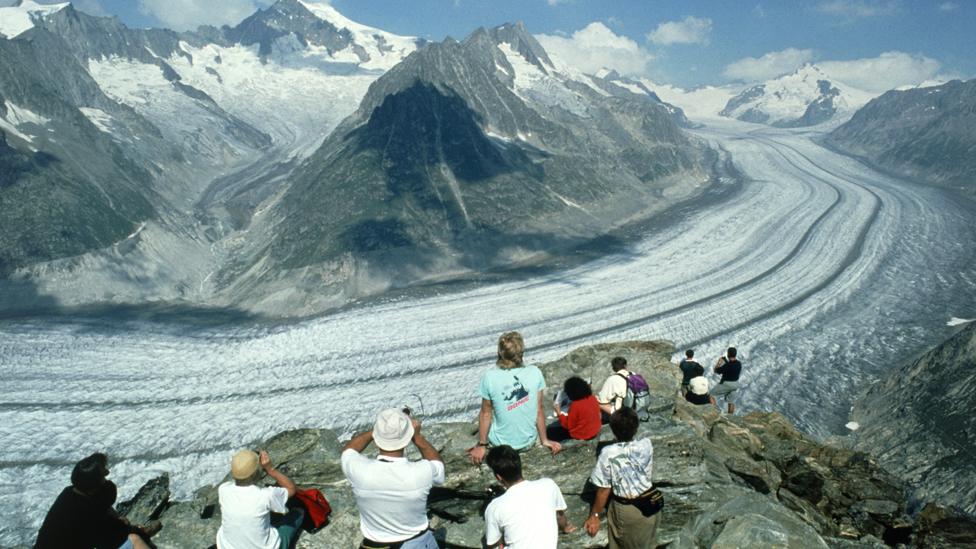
(391, 491)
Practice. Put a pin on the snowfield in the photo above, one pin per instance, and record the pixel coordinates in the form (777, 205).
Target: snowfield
(822, 272)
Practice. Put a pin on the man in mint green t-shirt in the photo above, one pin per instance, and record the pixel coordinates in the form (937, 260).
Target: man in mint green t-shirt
(511, 402)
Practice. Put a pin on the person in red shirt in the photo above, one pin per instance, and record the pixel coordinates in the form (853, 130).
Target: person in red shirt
(582, 420)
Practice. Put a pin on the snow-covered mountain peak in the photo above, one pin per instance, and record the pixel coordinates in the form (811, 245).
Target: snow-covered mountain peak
(19, 18)
(805, 97)
(384, 49)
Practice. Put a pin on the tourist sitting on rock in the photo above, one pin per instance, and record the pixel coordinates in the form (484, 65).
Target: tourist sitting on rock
(690, 368)
(623, 477)
(614, 390)
(391, 491)
(582, 420)
(511, 402)
(730, 368)
(529, 515)
(698, 391)
(83, 515)
(246, 520)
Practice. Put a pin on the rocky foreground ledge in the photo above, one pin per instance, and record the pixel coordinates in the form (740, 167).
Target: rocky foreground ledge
(750, 481)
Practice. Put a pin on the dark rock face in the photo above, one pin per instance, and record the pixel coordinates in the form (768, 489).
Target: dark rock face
(924, 133)
(73, 190)
(751, 481)
(919, 422)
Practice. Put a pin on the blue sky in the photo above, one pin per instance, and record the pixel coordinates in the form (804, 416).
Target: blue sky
(687, 42)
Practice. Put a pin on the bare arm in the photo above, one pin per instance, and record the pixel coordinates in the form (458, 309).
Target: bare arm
(592, 523)
(279, 477)
(359, 442)
(477, 453)
(563, 523)
(540, 425)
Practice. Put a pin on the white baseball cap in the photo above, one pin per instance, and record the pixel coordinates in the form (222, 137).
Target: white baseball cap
(393, 430)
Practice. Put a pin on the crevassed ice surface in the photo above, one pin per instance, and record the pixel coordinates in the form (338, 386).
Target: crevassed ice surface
(822, 272)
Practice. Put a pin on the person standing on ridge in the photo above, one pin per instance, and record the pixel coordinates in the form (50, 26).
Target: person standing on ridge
(623, 478)
(245, 507)
(529, 515)
(730, 368)
(690, 368)
(391, 491)
(614, 390)
(511, 402)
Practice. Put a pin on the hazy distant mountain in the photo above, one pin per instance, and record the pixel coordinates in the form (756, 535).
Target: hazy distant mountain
(925, 133)
(919, 421)
(806, 97)
(471, 155)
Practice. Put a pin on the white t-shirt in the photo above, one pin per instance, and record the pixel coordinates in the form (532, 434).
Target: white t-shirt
(525, 515)
(245, 516)
(391, 494)
(614, 390)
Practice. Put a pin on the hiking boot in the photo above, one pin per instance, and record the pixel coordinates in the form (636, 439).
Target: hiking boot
(151, 528)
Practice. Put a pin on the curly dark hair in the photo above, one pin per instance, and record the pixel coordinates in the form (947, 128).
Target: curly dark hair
(577, 388)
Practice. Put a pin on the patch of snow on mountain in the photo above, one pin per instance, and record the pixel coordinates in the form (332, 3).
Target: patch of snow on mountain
(298, 97)
(101, 119)
(534, 85)
(19, 116)
(632, 88)
(384, 49)
(16, 20)
(143, 87)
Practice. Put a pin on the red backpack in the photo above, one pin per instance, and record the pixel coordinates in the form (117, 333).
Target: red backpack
(317, 508)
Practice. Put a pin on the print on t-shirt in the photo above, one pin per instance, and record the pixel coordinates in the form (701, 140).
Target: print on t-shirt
(516, 395)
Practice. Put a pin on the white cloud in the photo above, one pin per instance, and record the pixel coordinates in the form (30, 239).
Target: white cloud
(189, 14)
(759, 11)
(771, 65)
(858, 9)
(690, 30)
(595, 47)
(557, 2)
(948, 6)
(889, 70)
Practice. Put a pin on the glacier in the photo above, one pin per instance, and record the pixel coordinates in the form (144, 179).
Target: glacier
(823, 272)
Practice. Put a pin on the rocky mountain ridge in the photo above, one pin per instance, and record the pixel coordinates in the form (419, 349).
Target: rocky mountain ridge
(919, 422)
(728, 481)
(922, 133)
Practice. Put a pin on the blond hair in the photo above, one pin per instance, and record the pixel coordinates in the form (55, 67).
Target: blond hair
(510, 349)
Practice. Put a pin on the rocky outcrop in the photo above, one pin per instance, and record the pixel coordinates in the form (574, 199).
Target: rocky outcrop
(919, 422)
(925, 134)
(728, 481)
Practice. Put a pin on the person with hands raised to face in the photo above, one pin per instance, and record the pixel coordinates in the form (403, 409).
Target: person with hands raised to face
(511, 403)
(246, 508)
(391, 491)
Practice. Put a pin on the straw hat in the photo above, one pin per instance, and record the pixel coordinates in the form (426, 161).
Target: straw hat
(243, 465)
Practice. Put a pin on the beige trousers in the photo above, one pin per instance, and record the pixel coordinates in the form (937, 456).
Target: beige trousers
(629, 529)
